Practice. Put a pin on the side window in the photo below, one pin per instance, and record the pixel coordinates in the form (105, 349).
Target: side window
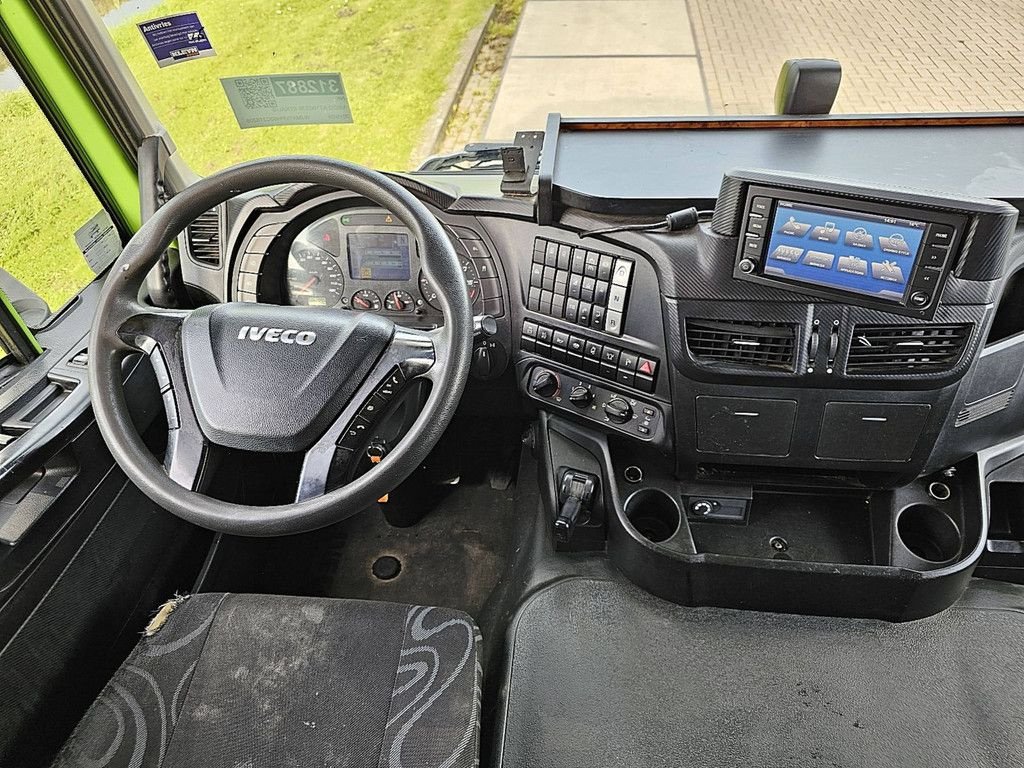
(44, 200)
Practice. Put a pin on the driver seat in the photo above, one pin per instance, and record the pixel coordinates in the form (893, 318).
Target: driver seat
(259, 681)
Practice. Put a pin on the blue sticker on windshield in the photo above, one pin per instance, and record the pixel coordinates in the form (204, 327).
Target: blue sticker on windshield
(177, 38)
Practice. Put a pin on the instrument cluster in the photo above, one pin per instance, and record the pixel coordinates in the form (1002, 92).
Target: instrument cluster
(364, 259)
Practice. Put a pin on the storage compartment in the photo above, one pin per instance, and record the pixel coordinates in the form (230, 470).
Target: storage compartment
(896, 554)
(1006, 510)
(789, 526)
(653, 514)
(929, 534)
(745, 426)
(871, 431)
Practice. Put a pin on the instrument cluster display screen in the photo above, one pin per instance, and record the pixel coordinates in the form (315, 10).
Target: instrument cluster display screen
(850, 251)
(378, 256)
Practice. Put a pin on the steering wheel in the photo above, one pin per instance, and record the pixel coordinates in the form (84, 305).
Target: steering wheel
(274, 379)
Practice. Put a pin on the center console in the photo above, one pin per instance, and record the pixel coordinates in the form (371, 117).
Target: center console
(779, 413)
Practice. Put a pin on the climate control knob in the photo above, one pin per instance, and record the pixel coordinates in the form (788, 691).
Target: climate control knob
(618, 410)
(544, 383)
(581, 397)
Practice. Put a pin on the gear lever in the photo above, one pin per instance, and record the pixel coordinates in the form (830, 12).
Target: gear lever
(575, 494)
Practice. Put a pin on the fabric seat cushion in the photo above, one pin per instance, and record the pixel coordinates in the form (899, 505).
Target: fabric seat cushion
(255, 680)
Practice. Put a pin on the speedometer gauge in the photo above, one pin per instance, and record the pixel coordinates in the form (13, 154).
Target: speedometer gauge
(314, 278)
(470, 275)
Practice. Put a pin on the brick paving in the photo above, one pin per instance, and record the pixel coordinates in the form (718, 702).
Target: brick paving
(685, 57)
(910, 56)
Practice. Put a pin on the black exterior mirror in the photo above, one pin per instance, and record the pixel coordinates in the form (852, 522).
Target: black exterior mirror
(807, 86)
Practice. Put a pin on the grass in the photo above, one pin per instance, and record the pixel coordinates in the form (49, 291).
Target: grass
(470, 114)
(394, 56)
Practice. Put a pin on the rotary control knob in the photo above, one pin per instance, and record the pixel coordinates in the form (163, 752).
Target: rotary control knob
(618, 410)
(544, 383)
(581, 397)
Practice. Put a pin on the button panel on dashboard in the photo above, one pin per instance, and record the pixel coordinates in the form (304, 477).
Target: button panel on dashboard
(582, 286)
(605, 360)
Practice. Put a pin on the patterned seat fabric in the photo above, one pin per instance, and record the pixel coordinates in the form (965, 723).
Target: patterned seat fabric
(255, 680)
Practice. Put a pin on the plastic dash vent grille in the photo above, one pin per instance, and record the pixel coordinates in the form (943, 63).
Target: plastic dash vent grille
(904, 348)
(741, 345)
(984, 407)
(204, 239)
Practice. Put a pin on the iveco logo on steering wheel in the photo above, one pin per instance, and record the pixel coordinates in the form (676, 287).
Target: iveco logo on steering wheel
(277, 335)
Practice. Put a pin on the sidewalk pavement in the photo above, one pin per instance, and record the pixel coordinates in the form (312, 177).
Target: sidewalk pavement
(598, 58)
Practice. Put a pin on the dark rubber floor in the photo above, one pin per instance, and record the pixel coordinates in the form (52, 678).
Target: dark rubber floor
(605, 675)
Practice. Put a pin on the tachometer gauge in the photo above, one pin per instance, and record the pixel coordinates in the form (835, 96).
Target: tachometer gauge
(469, 274)
(368, 301)
(314, 278)
(399, 301)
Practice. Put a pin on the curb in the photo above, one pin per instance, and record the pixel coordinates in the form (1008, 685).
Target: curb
(436, 127)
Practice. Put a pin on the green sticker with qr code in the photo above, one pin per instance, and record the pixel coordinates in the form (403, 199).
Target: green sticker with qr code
(263, 100)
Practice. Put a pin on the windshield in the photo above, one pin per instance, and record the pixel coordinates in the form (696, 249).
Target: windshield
(427, 76)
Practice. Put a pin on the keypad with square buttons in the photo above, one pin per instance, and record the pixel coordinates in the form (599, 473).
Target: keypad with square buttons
(579, 285)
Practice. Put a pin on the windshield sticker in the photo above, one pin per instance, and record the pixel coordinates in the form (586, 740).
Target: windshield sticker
(265, 100)
(99, 242)
(178, 38)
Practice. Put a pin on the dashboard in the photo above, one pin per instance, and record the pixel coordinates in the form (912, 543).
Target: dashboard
(813, 325)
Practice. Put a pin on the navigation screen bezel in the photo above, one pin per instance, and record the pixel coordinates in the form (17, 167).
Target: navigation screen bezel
(851, 207)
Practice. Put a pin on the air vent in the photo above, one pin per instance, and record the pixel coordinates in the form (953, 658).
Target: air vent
(741, 345)
(204, 239)
(984, 407)
(906, 348)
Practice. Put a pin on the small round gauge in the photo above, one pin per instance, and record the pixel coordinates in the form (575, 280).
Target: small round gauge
(314, 278)
(470, 275)
(399, 301)
(366, 300)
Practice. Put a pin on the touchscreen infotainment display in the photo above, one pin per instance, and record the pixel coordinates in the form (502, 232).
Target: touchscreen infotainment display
(850, 251)
(378, 256)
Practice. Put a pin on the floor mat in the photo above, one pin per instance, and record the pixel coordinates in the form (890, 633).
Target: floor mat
(455, 557)
(605, 675)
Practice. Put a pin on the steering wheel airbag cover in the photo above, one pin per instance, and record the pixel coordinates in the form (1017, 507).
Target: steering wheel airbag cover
(273, 379)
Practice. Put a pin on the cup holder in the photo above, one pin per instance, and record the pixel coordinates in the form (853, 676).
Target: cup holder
(653, 514)
(929, 533)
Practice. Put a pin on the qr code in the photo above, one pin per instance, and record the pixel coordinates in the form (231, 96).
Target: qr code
(256, 92)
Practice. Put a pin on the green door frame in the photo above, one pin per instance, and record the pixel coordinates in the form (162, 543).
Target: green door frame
(50, 79)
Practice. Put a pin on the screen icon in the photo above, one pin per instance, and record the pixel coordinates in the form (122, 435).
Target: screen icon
(853, 265)
(819, 259)
(887, 270)
(787, 253)
(859, 238)
(826, 233)
(894, 243)
(794, 228)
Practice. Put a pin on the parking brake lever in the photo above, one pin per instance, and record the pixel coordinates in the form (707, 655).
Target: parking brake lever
(575, 494)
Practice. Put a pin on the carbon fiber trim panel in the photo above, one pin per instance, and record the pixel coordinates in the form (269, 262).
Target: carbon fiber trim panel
(729, 208)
